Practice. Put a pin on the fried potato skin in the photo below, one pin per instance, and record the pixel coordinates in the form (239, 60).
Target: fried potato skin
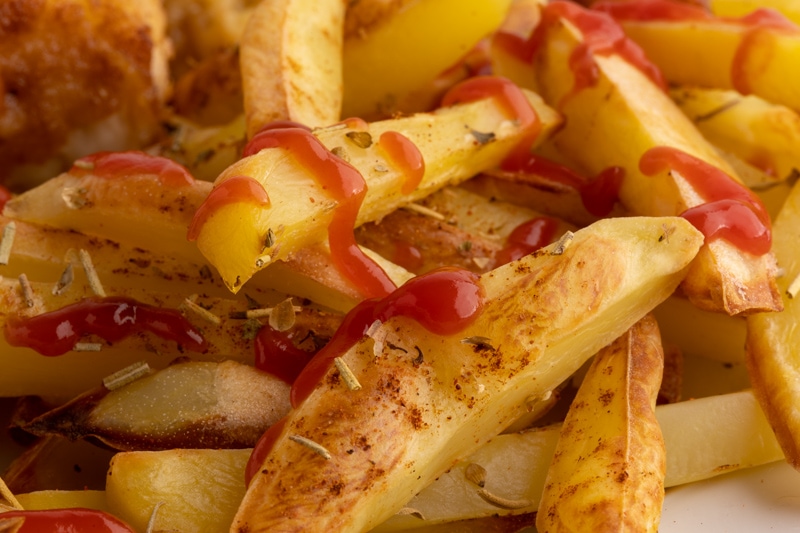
(77, 76)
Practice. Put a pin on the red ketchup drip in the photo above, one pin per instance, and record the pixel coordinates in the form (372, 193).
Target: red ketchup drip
(121, 164)
(262, 449)
(74, 520)
(758, 24)
(347, 186)
(731, 211)
(513, 101)
(5, 196)
(598, 194)
(527, 238)
(601, 36)
(238, 189)
(276, 354)
(112, 318)
(407, 255)
(405, 155)
(443, 301)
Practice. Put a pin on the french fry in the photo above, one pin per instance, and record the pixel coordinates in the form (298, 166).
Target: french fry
(454, 401)
(741, 54)
(738, 8)
(763, 134)
(625, 102)
(403, 48)
(772, 341)
(233, 237)
(608, 467)
(291, 63)
(186, 405)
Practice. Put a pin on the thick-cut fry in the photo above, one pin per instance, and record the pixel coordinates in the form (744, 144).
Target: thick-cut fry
(543, 316)
(623, 101)
(750, 55)
(608, 468)
(763, 134)
(739, 8)
(186, 405)
(291, 63)
(242, 237)
(773, 341)
(402, 51)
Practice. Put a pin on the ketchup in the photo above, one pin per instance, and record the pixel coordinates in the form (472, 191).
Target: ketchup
(760, 25)
(405, 155)
(111, 318)
(347, 186)
(601, 36)
(5, 196)
(527, 238)
(731, 211)
(513, 101)
(276, 354)
(598, 194)
(444, 301)
(236, 189)
(75, 520)
(121, 164)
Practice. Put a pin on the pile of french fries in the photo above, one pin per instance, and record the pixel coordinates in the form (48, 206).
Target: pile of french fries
(539, 408)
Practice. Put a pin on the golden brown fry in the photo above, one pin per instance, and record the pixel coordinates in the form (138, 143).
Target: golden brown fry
(186, 405)
(291, 62)
(543, 316)
(608, 468)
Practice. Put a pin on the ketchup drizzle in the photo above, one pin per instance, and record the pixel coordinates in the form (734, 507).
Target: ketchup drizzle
(71, 520)
(527, 238)
(121, 164)
(347, 186)
(405, 155)
(236, 189)
(276, 354)
(5, 196)
(111, 318)
(731, 211)
(513, 101)
(760, 25)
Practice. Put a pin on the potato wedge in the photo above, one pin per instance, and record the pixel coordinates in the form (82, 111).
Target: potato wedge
(609, 464)
(741, 54)
(186, 405)
(456, 395)
(199, 489)
(242, 237)
(403, 49)
(772, 341)
(291, 63)
(738, 8)
(763, 134)
(61, 499)
(624, 103)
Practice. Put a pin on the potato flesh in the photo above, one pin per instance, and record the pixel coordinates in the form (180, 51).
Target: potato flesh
(477, 400)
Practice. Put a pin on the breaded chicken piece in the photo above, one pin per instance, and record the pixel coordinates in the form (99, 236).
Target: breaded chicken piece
(78, 76)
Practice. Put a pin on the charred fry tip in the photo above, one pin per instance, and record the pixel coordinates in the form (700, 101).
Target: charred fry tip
(64, 281)
(91, 273)
(501, 502)
(127, 375)
(311, 445)
(27, 290)
(347, 375)
(9, 231)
